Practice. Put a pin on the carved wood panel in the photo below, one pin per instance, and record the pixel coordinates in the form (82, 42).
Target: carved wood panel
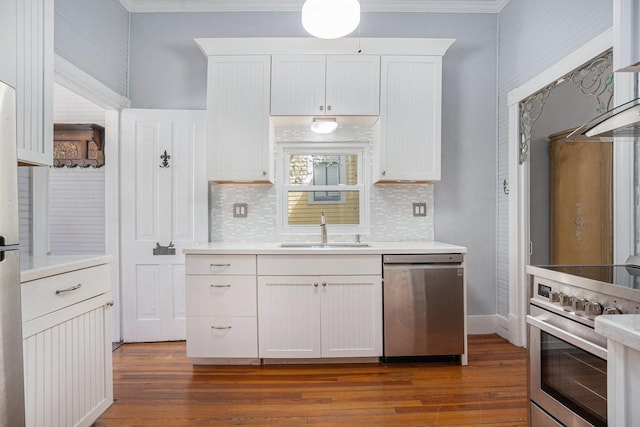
(78, 145)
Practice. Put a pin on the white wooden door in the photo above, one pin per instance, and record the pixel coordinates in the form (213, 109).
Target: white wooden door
(160, 205)
(351, 316)
(353, 85)
(410, 118)
(289, 316)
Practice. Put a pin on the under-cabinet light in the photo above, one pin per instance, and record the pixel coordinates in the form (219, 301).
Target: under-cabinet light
(322, 125)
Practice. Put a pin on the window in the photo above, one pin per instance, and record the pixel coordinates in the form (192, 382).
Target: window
(317, 178)
(327, 170)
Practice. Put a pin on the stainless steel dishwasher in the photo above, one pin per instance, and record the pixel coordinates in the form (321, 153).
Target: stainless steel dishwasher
(423, 300)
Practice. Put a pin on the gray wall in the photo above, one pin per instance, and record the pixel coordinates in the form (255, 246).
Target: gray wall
(167, 70)
(94, 36)
(532, 36)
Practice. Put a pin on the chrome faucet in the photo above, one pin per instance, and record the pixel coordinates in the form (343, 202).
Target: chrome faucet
(323, 229)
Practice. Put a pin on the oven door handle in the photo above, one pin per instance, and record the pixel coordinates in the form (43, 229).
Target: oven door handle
(585, 345)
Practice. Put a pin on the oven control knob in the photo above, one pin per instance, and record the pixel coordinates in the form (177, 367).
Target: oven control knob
(565, 300)
(593, 309)
(578, 304)
(611, 310)
(554, 296)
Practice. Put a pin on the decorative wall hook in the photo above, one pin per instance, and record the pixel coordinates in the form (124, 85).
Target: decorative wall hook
(165, 160)
(164, 250)
(505, 187)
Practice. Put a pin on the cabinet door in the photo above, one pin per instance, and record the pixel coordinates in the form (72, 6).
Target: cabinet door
(8, 28)
(288, 316)
(353, 85)
(297, 85)
(351, 316)
(238, 117)
(410, 118)
(68, 365)
(34, 82)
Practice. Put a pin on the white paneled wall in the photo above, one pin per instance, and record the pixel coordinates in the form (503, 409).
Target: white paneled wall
(76, 211)
(93, 35)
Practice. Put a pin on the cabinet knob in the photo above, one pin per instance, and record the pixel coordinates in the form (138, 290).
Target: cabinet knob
(110, 303)
(324, 283)
(315, 285)
(264, 173)
(328, 107)
(321, 107)
(384, 172)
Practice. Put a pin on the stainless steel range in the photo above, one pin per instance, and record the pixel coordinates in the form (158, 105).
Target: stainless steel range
(568, 359)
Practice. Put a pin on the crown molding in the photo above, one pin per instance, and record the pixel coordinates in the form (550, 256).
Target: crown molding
(433, 6)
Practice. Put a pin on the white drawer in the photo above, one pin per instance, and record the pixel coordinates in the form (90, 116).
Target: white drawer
(220, 264)
(222, 337)
(52, 293)
(221, 295)
(319, 265)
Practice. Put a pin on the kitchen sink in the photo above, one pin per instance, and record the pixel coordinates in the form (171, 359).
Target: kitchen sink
(324, 245)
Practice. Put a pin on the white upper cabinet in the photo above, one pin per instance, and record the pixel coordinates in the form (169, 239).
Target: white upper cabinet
(238, 146)
(8, 42)
(34, 81)
(410, 119)
(307, 85)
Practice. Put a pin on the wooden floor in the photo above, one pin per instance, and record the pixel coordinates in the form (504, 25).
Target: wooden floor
(156, 385)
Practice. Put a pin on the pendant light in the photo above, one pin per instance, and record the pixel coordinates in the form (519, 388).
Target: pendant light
(330, 19)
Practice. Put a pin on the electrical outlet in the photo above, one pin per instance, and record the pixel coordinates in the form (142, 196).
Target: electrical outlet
(419, 209)
(240, 210)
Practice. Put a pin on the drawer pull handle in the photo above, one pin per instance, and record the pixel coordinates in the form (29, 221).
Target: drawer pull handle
(73, 288)
(220, 265)
(220, 286)
(221, 327)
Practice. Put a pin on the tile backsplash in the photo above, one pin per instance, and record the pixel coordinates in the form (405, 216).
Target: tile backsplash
(391, 205)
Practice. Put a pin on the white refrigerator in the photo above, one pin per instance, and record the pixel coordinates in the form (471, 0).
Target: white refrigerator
(11, 370)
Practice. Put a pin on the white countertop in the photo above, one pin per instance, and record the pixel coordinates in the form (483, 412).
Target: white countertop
(374, 248)
(624, 328)
(33, 268)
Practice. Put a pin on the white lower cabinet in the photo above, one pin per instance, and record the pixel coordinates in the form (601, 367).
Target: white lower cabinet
(303, 313)
(319, 316)
(246, 307)
(67, 348)
(221, 307)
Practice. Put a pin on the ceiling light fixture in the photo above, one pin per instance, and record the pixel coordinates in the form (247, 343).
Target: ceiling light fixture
(330, 19)
(324, 125)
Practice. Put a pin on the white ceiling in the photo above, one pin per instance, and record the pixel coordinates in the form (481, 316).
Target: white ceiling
(439, 6)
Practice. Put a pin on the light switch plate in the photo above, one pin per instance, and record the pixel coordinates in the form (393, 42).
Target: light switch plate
(419, 209)
(240, 210)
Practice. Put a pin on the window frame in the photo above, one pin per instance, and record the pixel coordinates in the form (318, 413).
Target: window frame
(359, 149)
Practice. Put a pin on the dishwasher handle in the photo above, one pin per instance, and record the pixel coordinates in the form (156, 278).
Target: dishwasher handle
(423, 259)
